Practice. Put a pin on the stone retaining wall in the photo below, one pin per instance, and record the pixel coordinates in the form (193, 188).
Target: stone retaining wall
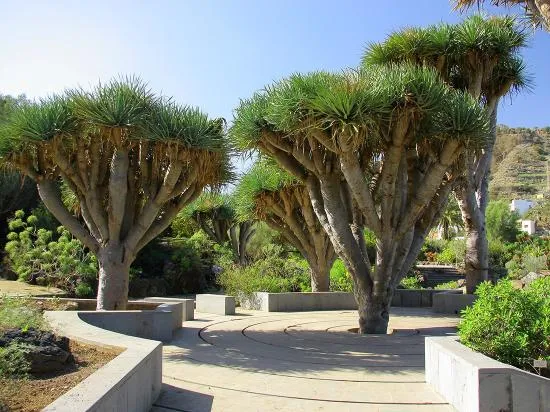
(304, 301)
(473, 382)
(130, 382)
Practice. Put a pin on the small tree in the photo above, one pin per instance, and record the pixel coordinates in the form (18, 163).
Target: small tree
(382, 135)
(215, 215)
(132, 159)
(478, 56)
(502, 223)
(271, 195)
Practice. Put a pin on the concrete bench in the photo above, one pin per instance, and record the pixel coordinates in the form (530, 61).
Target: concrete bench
(217, 304)
(450, 302)
(188, 305)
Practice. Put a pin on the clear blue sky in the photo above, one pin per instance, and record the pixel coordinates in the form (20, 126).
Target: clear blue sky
(212, 53)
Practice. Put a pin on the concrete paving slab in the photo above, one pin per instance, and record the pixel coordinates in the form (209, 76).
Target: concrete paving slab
(300, 361)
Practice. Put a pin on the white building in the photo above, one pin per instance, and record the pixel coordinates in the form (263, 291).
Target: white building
(521, 206)
(528, 226)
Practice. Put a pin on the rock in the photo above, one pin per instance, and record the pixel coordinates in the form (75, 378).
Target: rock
(530, 277)
(45, 351)
(461, 283)
(517, 283)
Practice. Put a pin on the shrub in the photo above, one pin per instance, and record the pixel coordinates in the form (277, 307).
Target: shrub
(453, 252)
(14, 362)
(272, 274)
(41, 256)
(340, 280)
(412, 281)
(508, 324)
(452, 284)
(430, 249)
(19, 313)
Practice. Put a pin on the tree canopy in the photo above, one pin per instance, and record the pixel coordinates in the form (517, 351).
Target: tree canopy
(132, 158)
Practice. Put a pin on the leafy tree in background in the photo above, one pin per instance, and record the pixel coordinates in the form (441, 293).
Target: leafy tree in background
(215, 215)
(16, 191)
(477, 56)
(502, 223)
(450, 220)
(132, 158)
(390, 136)
(537, 11)
(271, 195)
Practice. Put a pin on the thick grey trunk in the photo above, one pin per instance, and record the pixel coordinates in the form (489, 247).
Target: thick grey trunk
(320, 278)
(374, 311)
(113, 279)
(477, 257)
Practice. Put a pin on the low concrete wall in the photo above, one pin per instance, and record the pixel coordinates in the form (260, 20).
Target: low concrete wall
(473, 382)
(449, 302)
(304, 301)
(130, 382)
(158, 324)
(217, 304)
(188, 305)
(90, 304)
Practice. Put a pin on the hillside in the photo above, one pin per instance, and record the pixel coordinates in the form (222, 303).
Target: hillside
(519, 168)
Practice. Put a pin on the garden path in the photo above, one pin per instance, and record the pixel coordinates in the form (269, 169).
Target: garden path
(306, 361)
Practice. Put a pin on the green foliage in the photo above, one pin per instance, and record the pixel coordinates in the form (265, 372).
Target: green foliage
(274, 273)
(452, 284)
(501, 222)
(359, 104)
(453, 252)
(13, 361)
(340, 280)
(411, 282)
(36, 254)
(19, 313)
(528, 254)
(508, 324)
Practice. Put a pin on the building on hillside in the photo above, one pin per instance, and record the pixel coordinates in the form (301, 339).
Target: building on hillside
(528, 226)
(521, 206)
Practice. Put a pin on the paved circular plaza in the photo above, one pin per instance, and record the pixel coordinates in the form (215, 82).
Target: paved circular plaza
(256, 361)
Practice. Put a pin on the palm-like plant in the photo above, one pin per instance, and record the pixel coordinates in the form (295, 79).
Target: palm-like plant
(215, 215)
(270, 194)
(536, 11)
(387, 136)
(478, 56)
(132, 159)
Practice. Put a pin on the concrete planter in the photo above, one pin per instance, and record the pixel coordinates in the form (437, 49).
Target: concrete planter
(130, 382)
(452, 302)
(473, 382)
(304, 301)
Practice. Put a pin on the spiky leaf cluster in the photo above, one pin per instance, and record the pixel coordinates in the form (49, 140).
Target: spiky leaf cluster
(264, 178)
(358, 108)
(478, 46)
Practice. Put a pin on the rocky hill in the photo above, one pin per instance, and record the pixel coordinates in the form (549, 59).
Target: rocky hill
(520, 163)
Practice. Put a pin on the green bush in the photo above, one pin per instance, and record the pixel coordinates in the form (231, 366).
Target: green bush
(272, 274)
(47, 258)
(14, 362)
(453, 252)
(340, 280)
(19, 313)
(528, 254)
(508, 324)
(412, 281)
(452, 284)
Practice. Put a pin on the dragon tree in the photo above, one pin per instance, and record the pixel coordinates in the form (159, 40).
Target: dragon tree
(133, 160)
(215, 215)
(377, 147)
(268, 193)
(480, 57)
